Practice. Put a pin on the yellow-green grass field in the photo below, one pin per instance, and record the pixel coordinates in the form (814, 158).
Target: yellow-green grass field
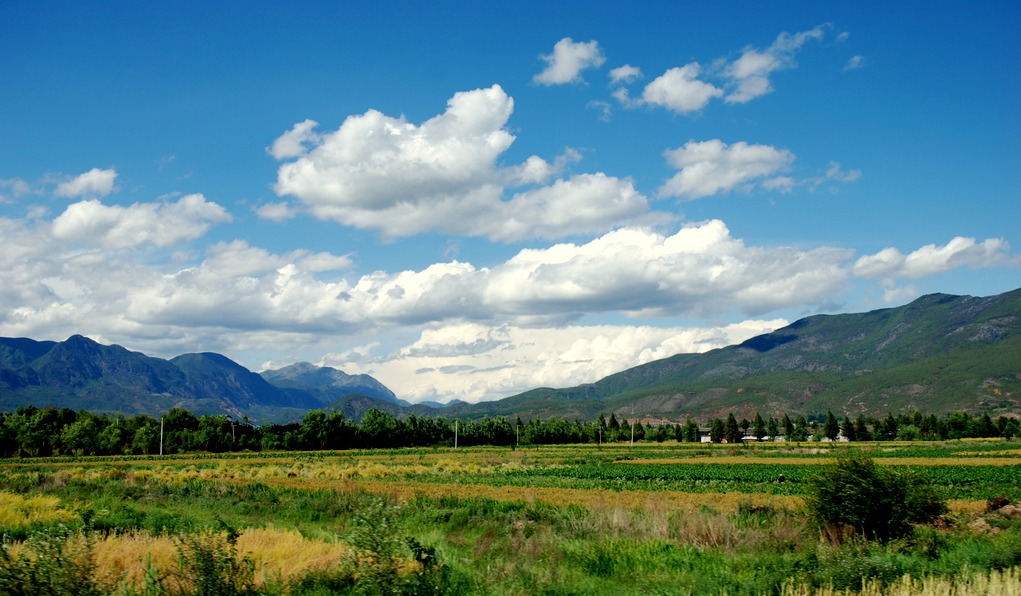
(674, 518)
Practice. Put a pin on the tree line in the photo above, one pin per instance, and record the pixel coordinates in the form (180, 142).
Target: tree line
(41, 432)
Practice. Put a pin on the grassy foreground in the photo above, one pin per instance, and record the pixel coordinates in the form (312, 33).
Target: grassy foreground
(644, 519)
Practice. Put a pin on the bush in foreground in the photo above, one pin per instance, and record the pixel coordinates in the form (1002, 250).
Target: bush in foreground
(854, 496)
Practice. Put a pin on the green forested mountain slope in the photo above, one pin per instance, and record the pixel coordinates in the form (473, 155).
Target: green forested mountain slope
(937, 354)
(81, 374)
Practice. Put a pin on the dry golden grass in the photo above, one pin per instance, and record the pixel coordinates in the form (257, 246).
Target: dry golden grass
(124, 558)
(994, 583)
(17, 511)
(286, 553)
(1002, 453)
(277, 554)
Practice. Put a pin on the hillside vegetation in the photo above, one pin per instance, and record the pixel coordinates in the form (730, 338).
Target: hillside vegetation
(937, 354)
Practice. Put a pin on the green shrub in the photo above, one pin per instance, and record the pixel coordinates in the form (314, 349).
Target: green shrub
(381, 550)
(53, 563)
(324, 582)
(854, 496)
(851, 566)
(209, 565)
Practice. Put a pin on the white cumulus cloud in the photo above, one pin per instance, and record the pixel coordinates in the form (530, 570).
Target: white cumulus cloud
(275, 211)
(680, 90)
(95, 182)
(402, 179)
(568, 59)
(931, 259)
(710, 167)
(684, 89)
(699, 270)
(625, 74)
(749, 75)
(92, 223)
(295, 142)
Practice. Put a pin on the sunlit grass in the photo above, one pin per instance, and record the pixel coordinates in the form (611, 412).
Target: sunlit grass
(278, 555)
(579, 518)
(17, 511)
(993, 583)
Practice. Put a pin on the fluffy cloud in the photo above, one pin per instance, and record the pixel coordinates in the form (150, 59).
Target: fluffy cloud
(95, 182)
(895, 295)
(683, 90)
(625, 74)
(567, 61)
(238, 286)
(577, 205)
(709, 167)
(700, 270)
(92, 223)
(237, 296)
(294, 142)
(930, 259)
(679, 90)
(388, 174)
(748, 76)
(275, 211)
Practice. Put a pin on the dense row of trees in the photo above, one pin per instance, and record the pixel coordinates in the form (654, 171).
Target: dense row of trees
(35, 432)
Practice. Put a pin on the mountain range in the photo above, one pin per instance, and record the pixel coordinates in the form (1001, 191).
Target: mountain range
(80, 373)
(937, 354)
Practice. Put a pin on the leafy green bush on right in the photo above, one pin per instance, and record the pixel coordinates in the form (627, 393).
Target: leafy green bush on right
(856, 497)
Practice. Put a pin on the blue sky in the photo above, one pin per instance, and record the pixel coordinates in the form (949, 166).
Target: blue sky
(468, 200)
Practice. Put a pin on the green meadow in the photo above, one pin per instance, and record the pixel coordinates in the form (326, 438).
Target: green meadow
(662, 518)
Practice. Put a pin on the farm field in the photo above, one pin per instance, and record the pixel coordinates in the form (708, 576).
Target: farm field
(645, 518)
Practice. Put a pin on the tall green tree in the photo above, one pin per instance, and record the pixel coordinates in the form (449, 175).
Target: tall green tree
(691, 434)
(788, 426)
(799, 430)
(759, 427)
(832, 428)
(861, 429)
(717, 430)
(847, 429)
(732, 431)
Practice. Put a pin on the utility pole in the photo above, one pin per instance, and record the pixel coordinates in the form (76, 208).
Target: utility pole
(161, 435)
